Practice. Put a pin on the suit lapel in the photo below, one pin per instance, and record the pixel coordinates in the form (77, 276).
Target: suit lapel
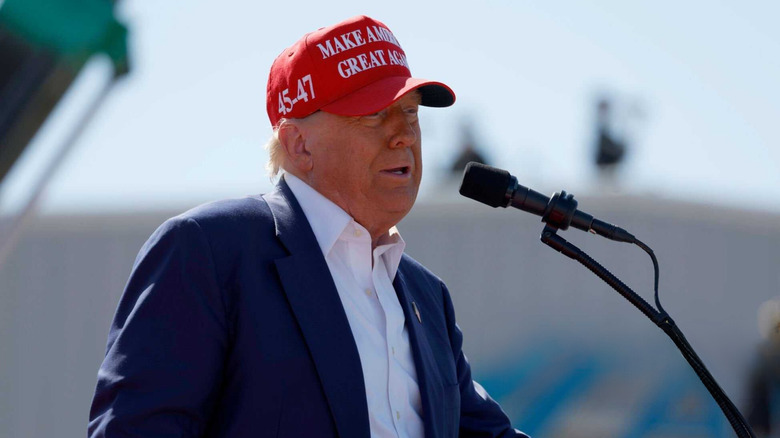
(316, 304)
(428, 378)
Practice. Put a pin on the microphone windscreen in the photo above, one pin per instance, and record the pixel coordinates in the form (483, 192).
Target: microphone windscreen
(485, 184)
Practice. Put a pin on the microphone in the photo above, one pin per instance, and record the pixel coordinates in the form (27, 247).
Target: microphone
(498, 188)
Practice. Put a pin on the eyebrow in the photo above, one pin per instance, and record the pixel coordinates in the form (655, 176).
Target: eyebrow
(418, 96)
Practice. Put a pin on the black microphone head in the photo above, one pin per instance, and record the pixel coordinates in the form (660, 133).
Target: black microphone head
(485, 184)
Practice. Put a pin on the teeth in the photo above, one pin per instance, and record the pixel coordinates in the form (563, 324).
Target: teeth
(398, 171)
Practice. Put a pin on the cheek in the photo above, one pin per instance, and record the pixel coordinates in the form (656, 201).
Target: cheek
(331, 159)
(418, 161)
(353, 173)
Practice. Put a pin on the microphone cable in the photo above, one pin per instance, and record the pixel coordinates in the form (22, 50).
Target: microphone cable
(498, 188)
(659, 316)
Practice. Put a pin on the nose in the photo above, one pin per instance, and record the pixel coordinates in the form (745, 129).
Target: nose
(404, 132)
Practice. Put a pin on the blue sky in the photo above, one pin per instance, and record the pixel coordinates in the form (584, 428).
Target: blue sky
(189, 123)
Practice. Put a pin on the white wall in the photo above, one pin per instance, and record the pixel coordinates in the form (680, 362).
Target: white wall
(564, 354)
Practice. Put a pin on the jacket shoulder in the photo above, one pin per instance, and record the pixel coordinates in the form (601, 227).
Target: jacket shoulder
(417, 273)
(227, 220)
(231, 229)
(244, 211)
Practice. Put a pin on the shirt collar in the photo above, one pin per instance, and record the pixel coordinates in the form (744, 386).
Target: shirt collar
(391, 246)
(326, 219)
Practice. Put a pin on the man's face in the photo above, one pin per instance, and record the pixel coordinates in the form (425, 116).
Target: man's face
(370, 165)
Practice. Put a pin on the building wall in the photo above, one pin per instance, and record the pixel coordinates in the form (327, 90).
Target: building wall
(564, 354)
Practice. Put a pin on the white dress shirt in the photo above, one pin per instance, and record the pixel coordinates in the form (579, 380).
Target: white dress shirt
(374, 313)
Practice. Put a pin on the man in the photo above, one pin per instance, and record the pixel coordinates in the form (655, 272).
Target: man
(296, 313)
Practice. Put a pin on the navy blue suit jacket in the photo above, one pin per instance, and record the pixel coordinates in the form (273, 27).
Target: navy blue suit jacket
(231, 326)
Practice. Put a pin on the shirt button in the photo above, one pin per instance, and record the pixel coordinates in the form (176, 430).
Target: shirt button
(397, 415)
(357, 233)
(393, 350)
(368, 292)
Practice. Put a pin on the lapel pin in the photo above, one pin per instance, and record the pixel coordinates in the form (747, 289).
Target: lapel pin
(417, 311)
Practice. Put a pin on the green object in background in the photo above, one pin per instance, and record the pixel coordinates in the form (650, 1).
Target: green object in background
(73, 29)
(44, 44)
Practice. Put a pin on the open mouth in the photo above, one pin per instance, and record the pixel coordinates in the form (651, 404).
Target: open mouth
(403, 170)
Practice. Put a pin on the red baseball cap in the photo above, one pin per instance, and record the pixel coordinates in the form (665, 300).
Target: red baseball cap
(353, 68)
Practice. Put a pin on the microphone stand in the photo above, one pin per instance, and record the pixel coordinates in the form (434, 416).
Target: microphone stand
(557, 216)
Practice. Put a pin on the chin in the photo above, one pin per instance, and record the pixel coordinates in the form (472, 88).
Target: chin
(400, 208)
(397, 201)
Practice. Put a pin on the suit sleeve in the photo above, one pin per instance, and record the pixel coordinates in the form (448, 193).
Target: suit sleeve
(167, 342)
(480, 415)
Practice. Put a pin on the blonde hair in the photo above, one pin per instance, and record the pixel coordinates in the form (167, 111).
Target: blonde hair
(275, 152)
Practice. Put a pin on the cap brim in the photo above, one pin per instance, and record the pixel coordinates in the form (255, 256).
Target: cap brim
(378, 95)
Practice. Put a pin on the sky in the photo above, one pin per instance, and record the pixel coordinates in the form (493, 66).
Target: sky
(697, 83)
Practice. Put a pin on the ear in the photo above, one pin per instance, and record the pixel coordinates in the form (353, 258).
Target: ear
(293, 139)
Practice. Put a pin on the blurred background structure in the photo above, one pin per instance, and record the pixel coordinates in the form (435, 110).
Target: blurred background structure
(468, 150)
(692, 97)
(762, 411)
(44, 45)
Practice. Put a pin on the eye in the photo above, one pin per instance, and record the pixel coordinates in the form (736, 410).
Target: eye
(411, 113)
(373, 119)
